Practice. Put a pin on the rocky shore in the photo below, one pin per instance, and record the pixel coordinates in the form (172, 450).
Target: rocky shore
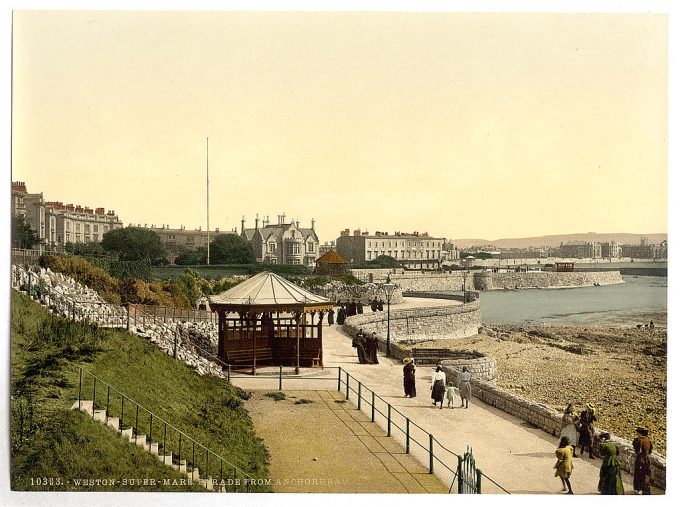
(620, 369)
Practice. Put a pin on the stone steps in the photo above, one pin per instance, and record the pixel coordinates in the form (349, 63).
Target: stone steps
(152, 447)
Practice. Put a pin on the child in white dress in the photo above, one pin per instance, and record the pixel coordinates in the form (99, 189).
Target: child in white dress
(451, 393)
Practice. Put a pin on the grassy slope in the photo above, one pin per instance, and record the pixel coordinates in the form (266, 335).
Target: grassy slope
(46, 353)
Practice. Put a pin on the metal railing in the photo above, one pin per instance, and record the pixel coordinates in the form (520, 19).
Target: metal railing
(413, 433)
(175, 447)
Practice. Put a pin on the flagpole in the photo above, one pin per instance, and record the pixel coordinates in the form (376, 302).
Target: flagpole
(207, 195)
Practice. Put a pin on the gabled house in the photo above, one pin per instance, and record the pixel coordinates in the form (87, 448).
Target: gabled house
(283, 243)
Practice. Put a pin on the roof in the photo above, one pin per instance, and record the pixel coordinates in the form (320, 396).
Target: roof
(332, 257)
(268, 290)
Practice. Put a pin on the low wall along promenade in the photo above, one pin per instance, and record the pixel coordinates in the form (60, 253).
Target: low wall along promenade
(550, 421)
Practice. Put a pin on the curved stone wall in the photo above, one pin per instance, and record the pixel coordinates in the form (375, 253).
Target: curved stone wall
(451, 321)
(483, 368)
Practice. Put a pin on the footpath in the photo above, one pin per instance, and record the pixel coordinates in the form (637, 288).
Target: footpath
(516, 455)
(320, 443)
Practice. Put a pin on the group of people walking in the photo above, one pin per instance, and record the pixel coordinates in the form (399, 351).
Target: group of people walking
(438, 385)
(367, 347)
(579, 431)
(354, 307)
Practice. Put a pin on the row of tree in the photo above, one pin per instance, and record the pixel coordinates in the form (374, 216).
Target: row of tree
(138, 244)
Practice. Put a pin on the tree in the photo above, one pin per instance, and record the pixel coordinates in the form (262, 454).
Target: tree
(384, 261)
(230, 249)
(91, 249)
(193, 257)
(135, 244)
(23, 236)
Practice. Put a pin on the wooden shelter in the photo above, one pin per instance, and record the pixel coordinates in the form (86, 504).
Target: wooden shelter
(331, 263)
(267, 320)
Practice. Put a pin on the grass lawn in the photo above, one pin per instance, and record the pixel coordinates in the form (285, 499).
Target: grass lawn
(50, 440)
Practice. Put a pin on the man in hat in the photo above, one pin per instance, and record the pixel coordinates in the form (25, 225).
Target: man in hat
(642, 478)
(409, 378)
(586, 430)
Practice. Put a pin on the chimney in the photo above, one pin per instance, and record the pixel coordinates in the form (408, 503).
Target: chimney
(297, 224)
(357, 232)
(313, 223)
(265, 221)
(243, 223)
(257, 220)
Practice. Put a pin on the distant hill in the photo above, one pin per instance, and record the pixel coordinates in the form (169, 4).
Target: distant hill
(556, 239)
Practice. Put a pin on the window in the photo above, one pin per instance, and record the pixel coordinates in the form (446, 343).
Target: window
(271, 247)
(77, 226)
(310, 247)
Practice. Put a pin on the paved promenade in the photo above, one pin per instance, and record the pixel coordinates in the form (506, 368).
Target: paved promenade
(517, 456)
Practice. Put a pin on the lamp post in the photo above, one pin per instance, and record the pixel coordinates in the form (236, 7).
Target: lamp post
(465, 286)
(388, 287)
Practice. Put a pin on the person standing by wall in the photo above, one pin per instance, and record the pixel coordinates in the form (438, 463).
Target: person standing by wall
(587, 430)
(569, 427)
(565, 463)
(642, 479)
(610, 471)
(409, 378)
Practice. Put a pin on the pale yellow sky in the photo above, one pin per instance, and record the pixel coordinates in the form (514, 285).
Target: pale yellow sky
(464, 125)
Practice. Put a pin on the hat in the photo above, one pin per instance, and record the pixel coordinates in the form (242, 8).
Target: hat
(590, 406)
(408, 360)
(643, 430)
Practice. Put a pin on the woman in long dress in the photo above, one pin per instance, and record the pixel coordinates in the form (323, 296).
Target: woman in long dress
(569, 427)
(642, 479)
(409, 378)
(587, 430)
(438, 386)
(610, 471)
(464, 387)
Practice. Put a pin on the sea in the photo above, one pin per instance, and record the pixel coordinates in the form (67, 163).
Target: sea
(636, 301)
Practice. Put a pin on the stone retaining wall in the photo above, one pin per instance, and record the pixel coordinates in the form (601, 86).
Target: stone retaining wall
(487, 280)
(452, 321)
(484, 368)
(550, 421)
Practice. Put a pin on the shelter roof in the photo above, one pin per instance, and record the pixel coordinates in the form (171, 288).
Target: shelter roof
(332, 257)
(266, 291)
